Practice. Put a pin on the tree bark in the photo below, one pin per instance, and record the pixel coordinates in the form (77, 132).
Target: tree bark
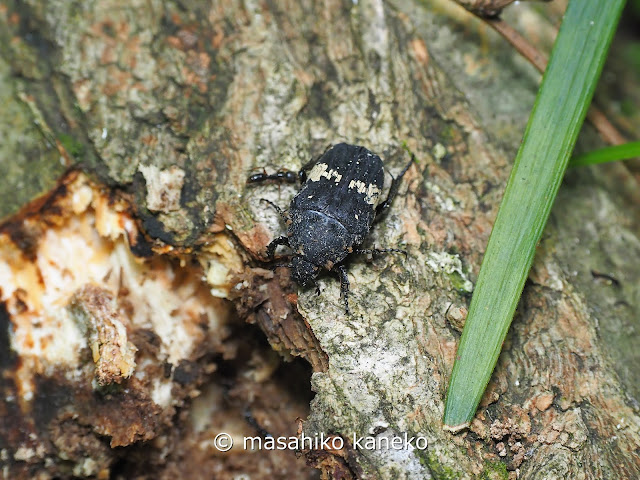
(174, 104)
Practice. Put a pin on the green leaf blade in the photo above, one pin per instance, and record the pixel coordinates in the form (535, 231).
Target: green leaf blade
(625, 151)
(556, 119)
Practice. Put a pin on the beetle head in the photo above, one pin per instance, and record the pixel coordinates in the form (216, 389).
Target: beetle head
(303, 271)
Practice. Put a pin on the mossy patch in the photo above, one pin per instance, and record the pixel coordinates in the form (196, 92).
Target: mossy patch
(495, 471)
(71, 145)
(451, 266)
(439, 471)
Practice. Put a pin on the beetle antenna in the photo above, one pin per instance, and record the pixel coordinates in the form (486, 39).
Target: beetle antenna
(278, 209)
(393, 189)
(286, 265)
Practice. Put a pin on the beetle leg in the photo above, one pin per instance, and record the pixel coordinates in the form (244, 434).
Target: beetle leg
(278, 209)
(283, 265)
(251, 420)
(393, 190)
(344, 286)
(377, 251)
(271, 248)
(315, 284)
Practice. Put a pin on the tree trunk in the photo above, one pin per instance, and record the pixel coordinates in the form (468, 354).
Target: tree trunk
(169, 107)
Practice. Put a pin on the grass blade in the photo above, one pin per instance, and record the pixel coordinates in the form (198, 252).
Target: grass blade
(558, 113)
(608, 154)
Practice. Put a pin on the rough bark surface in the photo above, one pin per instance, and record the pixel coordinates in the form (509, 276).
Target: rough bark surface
(174, 104)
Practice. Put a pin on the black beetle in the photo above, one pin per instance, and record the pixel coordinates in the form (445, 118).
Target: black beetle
(333, 212)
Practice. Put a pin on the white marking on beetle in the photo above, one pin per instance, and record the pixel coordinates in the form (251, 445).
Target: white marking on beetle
(316, 172)
(320, 170)
(371, 191)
